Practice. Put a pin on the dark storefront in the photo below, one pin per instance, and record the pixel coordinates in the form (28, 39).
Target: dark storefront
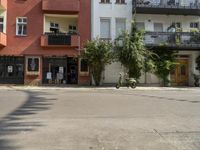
(11, 70)
(60, 70)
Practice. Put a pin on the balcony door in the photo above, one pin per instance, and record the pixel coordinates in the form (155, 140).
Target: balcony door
(180, 74)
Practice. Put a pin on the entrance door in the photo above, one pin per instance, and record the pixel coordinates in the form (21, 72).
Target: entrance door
(72, 71)
(11, 70)
(180, 74)
(55, 70)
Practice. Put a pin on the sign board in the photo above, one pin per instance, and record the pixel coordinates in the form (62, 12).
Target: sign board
(59, 76)
(61, 70)
(33, 64)
(10, 69)
(49, 76)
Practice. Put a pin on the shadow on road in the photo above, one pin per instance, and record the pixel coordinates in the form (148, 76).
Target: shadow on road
(18, 121)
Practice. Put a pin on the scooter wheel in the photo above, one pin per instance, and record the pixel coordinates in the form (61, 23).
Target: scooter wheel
(133, 86)
(117, 86)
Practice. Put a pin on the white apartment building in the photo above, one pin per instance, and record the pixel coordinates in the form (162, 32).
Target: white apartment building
(169, 25)
(109, 18)
(157, 18)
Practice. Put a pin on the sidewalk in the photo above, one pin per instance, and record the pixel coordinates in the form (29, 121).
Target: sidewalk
(11, 87)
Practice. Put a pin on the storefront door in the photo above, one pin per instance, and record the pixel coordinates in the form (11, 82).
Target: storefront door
(60, 70)
(180, 74)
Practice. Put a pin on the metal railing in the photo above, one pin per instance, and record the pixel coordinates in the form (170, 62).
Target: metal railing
(172, 39)
(58, 39)
(166, 4)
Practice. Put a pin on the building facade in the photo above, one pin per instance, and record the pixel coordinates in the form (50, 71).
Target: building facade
(171, 25)
(168, 24)
(109, 19)
(41, 39)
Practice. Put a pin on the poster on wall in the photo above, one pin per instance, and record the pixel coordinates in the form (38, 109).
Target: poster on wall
(33, 64)
(61, 69)
(49, 76)
(10, 69)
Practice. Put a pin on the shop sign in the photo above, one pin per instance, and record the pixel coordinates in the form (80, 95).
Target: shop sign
(49, 76)
(61, 70)
(59, 76)
(10, 69)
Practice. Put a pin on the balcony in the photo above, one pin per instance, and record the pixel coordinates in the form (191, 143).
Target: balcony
(57, 6)
(169, 7)
(171, 40)
(59, 40)
(3, 39)
(3, 4)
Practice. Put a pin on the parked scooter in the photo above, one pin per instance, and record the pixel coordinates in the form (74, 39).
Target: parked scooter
(129, 82)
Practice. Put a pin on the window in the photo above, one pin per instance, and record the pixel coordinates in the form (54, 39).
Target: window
(1, 24)
(120, 1)
(21, 26)
(158, 27)
(177, 24)
(33, 64)
(72, 29)
(84, 65)
(54, 27)
(105, 29)
(120, 26)
(105, 1)
(140, 25)
(194, 25)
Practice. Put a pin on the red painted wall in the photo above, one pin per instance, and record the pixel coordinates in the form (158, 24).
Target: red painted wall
(30, 44)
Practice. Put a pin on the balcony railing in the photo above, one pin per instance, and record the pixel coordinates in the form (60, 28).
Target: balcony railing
(167, 7)
(59, 40)
(68, 6)
(3, 39)
(177, 40)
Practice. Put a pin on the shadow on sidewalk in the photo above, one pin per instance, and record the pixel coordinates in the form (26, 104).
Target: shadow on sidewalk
(18, 121)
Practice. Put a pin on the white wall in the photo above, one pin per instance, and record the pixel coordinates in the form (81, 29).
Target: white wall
(111, 11)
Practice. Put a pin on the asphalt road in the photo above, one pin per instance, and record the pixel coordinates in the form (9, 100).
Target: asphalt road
(99, 119)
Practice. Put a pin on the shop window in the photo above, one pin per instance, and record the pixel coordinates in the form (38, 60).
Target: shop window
(32, 64)
(21, 26)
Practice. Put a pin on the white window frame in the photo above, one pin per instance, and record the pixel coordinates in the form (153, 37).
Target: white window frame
(22, 23)
(110, 34)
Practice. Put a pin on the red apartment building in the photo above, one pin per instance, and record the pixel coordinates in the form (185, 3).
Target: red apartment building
(40, 41)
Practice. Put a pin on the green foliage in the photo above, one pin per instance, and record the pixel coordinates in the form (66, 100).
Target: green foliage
(197, 77)
(164, 64)
(98, 53)
(198, 63)
(132, 53)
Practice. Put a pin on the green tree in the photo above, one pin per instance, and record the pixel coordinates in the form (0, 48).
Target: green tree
(131, 52)
(198, 63)
(98, 53)
(164, 64)
(197, 76)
